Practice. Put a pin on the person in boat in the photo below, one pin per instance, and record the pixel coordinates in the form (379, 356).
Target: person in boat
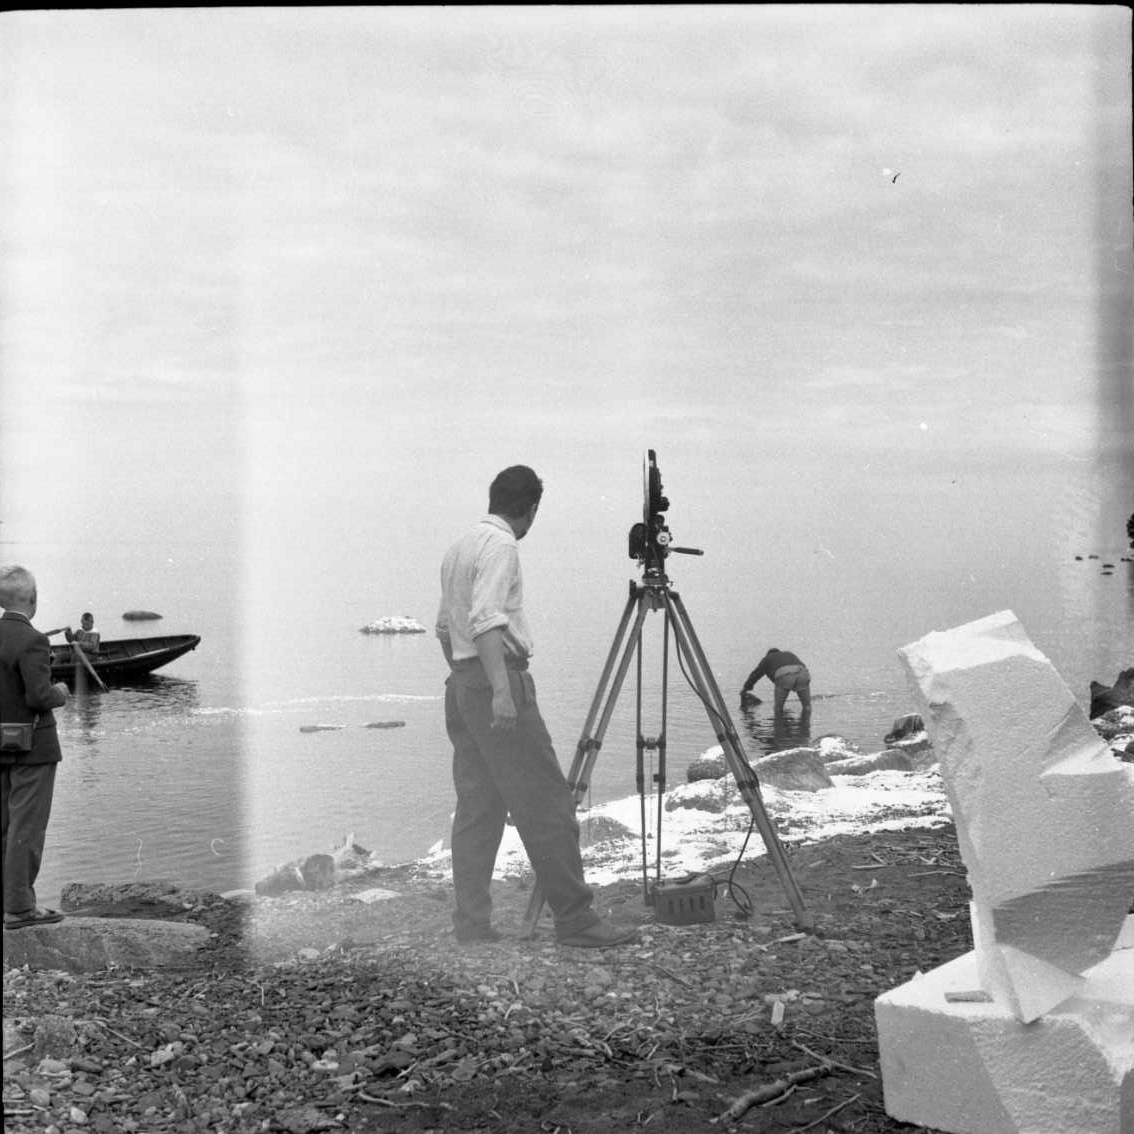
(29, 747)
(87, 636)
(503, 759)
(787, 674)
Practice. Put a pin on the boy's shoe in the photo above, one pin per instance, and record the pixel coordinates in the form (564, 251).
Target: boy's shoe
(599, 936)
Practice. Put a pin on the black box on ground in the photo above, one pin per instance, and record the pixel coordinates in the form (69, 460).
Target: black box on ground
(685, 901)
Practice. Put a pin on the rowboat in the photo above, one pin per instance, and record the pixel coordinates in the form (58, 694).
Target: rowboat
(122, 659)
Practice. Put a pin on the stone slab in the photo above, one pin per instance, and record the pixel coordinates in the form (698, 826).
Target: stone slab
(1042, 809)
(91, 944)
(972, 1067)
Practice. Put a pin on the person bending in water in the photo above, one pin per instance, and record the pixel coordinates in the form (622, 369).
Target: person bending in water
(787, 674)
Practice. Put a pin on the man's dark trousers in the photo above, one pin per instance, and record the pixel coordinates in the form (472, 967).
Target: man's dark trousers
(26, 792)
(500, 773)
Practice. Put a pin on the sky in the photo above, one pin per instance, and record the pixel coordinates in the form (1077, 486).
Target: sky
(862, 228)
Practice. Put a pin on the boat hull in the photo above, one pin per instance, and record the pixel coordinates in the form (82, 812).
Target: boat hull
(123, 659)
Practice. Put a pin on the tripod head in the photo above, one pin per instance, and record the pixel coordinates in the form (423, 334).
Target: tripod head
(651, 541)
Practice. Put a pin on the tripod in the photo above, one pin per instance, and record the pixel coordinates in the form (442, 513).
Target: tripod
(654, 593)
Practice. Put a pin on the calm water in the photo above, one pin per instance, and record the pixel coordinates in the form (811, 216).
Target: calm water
(203, 773)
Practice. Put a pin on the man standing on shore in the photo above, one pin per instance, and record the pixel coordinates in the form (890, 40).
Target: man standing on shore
(503, 759)
(29, 748)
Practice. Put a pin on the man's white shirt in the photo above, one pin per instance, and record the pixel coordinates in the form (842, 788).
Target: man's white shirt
(482, 589)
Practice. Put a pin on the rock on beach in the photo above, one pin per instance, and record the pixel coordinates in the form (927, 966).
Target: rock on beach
(92, 944)
(810, 767)
(318, 871)
(888, 760)
(793, 769)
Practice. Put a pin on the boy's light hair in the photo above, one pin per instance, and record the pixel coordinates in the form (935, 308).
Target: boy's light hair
(17, 585)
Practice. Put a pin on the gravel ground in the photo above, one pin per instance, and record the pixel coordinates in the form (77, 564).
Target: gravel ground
(320, 1011)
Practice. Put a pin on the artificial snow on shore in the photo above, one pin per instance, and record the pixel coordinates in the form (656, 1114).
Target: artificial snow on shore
(704, 824)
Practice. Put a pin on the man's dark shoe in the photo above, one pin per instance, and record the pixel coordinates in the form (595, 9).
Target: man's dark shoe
(478, 933)
(37, 916)
(599, 936)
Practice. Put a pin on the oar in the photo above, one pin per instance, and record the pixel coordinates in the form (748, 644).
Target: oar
(90, 668)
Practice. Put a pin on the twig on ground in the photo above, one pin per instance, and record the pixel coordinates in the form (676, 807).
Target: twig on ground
(103, 1024)
(823, 1117)
(656, 968)
(782, 1099)
(666, 972)
(402, 1105)
(833, 1062)
(19, 1050)
(769, 1091)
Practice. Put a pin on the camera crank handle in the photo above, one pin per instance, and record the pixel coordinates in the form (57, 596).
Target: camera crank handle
(686, 550)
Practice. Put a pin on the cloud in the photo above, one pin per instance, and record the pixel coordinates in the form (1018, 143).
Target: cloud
(612, 199)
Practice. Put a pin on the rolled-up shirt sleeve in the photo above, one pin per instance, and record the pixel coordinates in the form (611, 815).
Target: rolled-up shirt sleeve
(491, 589)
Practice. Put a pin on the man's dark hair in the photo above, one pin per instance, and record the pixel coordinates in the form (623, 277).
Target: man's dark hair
(514, 491)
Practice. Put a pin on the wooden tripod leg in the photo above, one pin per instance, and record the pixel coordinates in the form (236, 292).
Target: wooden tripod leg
(710, 694)
(587, 749)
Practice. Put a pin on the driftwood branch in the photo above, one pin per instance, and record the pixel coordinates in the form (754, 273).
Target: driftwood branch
(833, 1062)
(770, 1091)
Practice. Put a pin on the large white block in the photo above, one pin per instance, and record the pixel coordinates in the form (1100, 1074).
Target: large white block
(975, 1068)
(1044, 813)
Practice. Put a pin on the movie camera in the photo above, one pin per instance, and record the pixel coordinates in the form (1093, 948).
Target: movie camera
(650, 540)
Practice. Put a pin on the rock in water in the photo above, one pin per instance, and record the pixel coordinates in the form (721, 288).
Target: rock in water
(905, 727)
(140, 616)
(393, 624)
(1119, 694)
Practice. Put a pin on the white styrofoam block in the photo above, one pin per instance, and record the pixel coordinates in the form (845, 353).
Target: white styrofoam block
(974, 1068)
(1043, 810)
(1022, 983)
(1126, 936)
